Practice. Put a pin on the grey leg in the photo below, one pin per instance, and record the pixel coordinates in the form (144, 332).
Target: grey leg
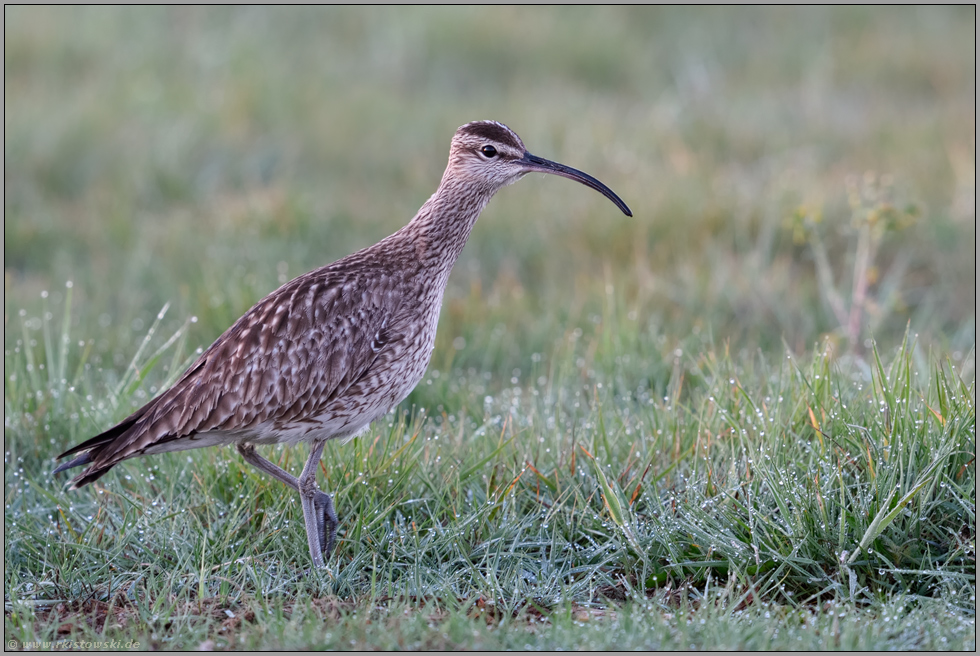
(318, 511)
(260, 463)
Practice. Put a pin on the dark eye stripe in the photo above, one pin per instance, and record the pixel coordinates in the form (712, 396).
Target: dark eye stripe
(493, 132)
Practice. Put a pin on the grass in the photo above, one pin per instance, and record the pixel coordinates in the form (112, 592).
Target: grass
(744, 418)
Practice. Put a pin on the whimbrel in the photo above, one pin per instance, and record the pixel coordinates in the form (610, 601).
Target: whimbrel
(326, 354)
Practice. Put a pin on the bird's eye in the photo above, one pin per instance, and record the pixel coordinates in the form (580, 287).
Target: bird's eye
(489, 151)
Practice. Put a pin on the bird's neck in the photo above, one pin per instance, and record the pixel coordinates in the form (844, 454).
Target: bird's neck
(443, 224)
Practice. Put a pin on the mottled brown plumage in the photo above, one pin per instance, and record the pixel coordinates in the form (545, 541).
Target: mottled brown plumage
(331, 351)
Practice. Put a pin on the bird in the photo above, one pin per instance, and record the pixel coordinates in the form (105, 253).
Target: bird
(327, 353)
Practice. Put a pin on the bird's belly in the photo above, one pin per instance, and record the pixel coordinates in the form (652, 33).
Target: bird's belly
(195, 441)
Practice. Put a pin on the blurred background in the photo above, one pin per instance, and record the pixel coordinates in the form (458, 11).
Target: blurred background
(796, 175)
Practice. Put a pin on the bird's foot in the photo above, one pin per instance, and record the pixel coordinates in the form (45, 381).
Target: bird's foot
(326, 522)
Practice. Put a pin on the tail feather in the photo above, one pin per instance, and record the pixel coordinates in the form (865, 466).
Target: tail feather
(85, 477)
(78, 461)
(88, 476)
(102, 438)
(89, 450)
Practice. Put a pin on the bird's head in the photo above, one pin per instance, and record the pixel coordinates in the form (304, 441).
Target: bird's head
(491, 155)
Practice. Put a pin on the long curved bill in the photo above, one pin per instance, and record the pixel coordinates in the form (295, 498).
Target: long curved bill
(534, 163)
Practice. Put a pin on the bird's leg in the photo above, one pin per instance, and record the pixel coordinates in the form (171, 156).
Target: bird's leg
(317, 509)
(323, 511)
(260, 463)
